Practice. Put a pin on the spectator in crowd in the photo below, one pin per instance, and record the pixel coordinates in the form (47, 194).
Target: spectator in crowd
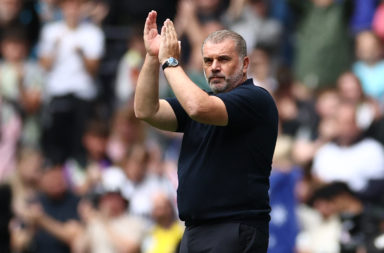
(109, 227)
(25, 185)
(96, 11)
(132, 12)
(370, 64)
(378, 21)
(323, 45)
(25, 180)
(363, 13)
(350, 90)
(69, 48)
(54, 213)
(250, 19)
(260, 68)
(359, 224)
(129, 68)
(21, 83)
(285, 178)
(11, 128)
(350, 157)
(312, 137)
(321, 226)
(85, 175)
(192, 32)
(22, 15)
(209, 9)
(140, 186)
(126, 131)
(167, 231)
(162, 163)
(48, 11)
(296, 111)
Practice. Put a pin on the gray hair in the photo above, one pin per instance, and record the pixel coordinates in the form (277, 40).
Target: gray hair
(221, 35)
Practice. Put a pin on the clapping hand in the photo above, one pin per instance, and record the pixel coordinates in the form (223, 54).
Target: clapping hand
(151, 36)
(169, 46)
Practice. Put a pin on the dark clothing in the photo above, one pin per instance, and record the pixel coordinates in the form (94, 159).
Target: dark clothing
(61, 210)
(5, 217)
(224, 171)
(65, 118)
(323, 44)
(225, 238)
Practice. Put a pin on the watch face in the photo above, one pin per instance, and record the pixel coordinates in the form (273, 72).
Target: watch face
(172, 61)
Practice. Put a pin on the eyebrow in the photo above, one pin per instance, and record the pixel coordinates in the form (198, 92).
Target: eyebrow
(220, 58)
(224, 57)
(207, 59)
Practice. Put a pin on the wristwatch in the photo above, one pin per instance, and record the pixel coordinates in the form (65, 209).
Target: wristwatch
(170, 62)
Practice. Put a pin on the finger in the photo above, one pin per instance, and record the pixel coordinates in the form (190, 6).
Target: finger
(146, 25)
(170, 35)
(163, 31)
(167, 31)
(150, 22)
(172, 30)
(153, 16)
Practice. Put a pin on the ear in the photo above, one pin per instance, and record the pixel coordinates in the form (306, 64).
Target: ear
(245, 64)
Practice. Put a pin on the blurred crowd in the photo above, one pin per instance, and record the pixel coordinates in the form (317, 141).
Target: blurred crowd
(79, 173)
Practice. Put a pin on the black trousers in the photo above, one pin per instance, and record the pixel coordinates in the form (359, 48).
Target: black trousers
(228, 237)
(64, 122)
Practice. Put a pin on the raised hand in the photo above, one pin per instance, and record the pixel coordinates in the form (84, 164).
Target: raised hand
(151, 36)
(169, 46)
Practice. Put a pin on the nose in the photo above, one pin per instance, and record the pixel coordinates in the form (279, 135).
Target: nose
(216, 66)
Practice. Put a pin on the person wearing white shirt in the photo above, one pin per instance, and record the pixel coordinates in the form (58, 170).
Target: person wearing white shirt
(351, 158)
(70, 52)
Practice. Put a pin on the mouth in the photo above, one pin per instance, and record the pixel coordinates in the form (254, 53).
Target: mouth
(216, 79)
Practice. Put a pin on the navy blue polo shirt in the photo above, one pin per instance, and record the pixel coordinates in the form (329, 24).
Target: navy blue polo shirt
(224, 171)
(62, 210)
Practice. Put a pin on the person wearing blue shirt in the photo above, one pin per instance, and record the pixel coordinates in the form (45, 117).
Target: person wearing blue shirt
(228, 143)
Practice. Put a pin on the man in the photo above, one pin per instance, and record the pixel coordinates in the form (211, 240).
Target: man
(351, 157)
(109, 228)
(70, 51)
(228, 143)
(54, 213)
(166, 233)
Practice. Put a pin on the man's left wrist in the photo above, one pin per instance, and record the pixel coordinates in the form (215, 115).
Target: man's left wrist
(169, 62)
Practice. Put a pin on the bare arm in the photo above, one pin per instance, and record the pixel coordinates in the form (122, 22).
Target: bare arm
(91, 65)
(121, 241)
(147, 105)
(64, 231)
(48, 58)
(46, 62)
(197, 103)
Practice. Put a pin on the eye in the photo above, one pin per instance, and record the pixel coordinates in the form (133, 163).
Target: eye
(224, 58)
(208, 61)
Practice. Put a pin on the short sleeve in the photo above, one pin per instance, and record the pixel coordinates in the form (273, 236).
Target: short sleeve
(181, 115)
(93, 44)
(47, 41)
(248, 105)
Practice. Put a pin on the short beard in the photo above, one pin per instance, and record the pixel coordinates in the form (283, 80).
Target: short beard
(229, 82)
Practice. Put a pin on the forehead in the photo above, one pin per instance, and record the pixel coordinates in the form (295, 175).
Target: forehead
(226, 47)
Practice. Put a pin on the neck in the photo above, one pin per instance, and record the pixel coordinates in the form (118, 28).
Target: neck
(72, 24)
(165, 223)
